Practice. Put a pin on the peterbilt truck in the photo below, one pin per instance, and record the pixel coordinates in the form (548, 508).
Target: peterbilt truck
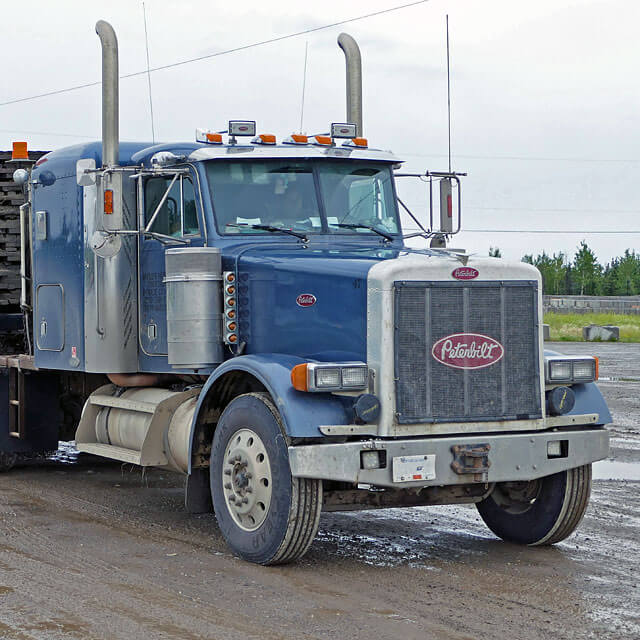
(246, 311)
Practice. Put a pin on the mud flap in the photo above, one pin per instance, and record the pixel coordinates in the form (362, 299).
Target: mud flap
(197, 492)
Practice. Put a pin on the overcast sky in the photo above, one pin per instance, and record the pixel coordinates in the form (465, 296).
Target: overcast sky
(545, 95)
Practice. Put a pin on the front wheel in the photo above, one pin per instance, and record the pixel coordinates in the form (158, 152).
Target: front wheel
(538, 512)
(265, 515)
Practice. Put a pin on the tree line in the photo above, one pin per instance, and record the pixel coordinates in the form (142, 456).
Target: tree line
(584, 275)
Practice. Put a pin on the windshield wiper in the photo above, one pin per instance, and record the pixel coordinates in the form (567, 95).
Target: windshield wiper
(345, 225)
(268, 227)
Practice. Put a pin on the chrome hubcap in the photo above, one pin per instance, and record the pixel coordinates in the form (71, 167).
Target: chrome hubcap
(246, 479)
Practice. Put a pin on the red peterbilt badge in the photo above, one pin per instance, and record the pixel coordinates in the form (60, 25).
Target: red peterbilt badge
(467, 351)
(306, 300)
(465, 273)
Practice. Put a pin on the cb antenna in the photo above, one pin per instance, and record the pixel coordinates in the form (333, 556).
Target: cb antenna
(146, 43)
(448, 94)
(304, 82)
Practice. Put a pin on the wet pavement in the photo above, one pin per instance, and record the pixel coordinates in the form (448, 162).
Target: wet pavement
(104, 551)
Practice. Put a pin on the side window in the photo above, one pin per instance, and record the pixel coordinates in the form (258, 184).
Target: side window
(177, 215)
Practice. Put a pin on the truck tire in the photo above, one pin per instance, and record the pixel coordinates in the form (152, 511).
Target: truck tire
(265, 515)
(539, 512)
(7, 460)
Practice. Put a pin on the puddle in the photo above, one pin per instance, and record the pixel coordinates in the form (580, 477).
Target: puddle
(66, 453)
(613, 470)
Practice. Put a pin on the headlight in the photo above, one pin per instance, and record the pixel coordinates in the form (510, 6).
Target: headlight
(570, 370)
(321, 376)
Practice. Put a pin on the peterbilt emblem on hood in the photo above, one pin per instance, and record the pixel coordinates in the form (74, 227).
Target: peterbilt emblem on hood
(467, 351)
(465, 273)
(305, 300)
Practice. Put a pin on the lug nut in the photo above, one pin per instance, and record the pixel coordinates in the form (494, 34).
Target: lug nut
(227, 472)
(232, 498)
(245, 500)
(227, 485)
(248, 475)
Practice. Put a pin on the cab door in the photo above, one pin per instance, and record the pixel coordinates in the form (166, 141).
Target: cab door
(171, 217)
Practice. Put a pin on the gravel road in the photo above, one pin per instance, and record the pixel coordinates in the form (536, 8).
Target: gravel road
(98, 550)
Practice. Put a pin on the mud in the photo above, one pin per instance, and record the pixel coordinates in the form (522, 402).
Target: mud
(99, 550)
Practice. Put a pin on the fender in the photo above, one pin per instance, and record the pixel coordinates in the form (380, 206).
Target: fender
(589, 398)
(302, 413)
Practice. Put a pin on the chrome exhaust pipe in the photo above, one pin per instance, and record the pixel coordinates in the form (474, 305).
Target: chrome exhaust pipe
(354, 79)
(110, 94)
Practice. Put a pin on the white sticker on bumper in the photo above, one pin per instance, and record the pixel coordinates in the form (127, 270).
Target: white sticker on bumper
(414, 468)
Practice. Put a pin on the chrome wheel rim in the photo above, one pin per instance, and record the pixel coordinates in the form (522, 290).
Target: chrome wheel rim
(246, 479)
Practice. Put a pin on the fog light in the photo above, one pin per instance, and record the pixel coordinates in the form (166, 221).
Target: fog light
(373, 459)
(366, 408)
(560, 401)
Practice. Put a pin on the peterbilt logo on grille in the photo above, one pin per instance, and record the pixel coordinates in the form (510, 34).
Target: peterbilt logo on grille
(465, 273)
(305, 300)
(467, 351)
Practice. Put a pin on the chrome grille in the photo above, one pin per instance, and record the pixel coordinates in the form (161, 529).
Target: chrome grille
(429, 391)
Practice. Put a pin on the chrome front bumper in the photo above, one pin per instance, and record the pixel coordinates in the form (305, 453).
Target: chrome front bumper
(511, 457)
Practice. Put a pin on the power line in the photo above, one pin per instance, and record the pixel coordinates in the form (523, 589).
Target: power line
(222, 53)
(46, 133)
(517, 158)
(545, 231)
(534, 210)
(577, 232)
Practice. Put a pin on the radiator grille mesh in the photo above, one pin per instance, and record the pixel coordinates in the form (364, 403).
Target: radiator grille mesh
(429, 391)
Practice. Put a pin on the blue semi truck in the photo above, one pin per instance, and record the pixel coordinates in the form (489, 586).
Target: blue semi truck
(246, 312)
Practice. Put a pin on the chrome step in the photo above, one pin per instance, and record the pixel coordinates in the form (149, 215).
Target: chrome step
(109, 451)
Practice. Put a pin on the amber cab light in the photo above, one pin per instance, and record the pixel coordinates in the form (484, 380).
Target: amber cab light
(322, 139)
(20, 151)
(299, 377)
(108, 201)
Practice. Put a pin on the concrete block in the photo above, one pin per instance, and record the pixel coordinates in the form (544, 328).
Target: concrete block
(606, 333)
(546, 334)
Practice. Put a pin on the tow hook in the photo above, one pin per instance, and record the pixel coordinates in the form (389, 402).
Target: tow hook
(472, 459)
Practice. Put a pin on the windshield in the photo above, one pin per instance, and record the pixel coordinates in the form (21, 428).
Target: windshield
(355, 197)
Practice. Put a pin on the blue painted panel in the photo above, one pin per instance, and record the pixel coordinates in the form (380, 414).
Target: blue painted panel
(301, 412)
(49, 317)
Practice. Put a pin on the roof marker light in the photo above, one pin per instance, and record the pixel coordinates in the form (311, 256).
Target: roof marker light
(20, 151)
(323, 140)
(343, 130)
(209, 137)
(264, 138)
(356, 142)
(296, 138)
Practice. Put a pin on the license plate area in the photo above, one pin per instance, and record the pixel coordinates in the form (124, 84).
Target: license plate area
(414, 468)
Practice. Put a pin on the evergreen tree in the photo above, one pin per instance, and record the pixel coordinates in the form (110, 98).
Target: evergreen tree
(587, 271)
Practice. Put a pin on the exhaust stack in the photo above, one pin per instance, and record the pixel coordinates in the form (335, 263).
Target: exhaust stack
(110, 94)
(354, 80)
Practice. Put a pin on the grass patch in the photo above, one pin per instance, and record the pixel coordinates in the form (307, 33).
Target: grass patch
(568, 326)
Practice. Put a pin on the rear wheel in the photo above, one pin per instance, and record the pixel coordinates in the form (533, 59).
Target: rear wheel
(265, 515)
(538, 512)
(7, 460)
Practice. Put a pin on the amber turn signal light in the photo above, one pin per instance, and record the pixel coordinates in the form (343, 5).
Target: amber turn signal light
(108, 201)
(299, 377)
